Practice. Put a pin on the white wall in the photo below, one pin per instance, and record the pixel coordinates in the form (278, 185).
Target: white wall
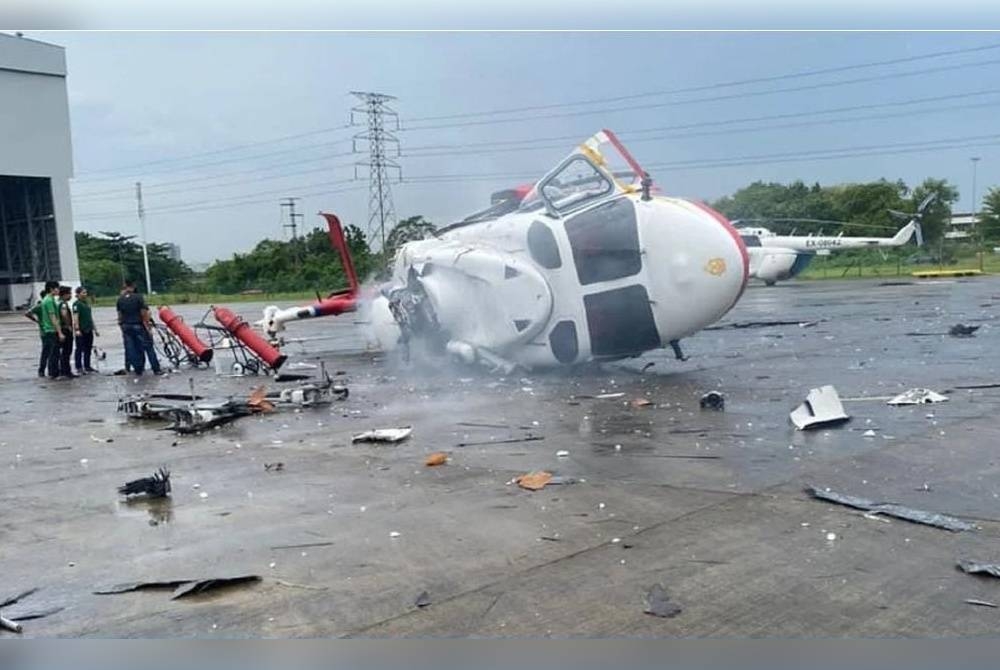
(34, 129)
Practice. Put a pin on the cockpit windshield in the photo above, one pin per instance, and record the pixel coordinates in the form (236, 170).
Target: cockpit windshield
(598, 168)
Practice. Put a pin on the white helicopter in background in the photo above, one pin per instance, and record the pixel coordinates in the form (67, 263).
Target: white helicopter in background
(588, 264)
(775, 258)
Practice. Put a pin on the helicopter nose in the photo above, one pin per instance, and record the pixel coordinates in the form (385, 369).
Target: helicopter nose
(698, 265)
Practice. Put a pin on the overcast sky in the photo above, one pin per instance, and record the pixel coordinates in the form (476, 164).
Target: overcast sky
(138, 101)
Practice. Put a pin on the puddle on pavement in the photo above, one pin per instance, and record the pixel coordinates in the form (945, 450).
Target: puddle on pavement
(156, 511)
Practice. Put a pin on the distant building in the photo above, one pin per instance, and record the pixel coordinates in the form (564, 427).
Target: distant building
(173, 251)
(961, 226)
(36, 164)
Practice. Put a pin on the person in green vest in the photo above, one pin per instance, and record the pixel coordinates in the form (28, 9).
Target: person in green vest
(44, 313)
(85, 331)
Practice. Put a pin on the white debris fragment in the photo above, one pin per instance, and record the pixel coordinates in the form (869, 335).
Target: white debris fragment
(869, 433)
(917, 396)
(394, 534)
(383, 435)
(203, 495)
(822, 407)
(831, 537)
(562, 453)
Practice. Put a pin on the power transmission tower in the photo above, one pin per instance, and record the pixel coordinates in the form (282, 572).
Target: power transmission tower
(375, 107)
(292, 216)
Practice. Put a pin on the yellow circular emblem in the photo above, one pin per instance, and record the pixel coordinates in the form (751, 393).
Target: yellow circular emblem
(716, 267)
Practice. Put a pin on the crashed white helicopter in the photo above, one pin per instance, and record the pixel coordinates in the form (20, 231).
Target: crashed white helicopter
(588, 265)
(775, 257)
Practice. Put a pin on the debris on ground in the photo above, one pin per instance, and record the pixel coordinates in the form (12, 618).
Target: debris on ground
(12, 626)
(962, 330)
(101, 440)
(534, 481)
(383, 435)
(981, 603)
(974, 568)
(917, 396)
(526, 438)
(274, 467)
(713, 400)
(641, 402)
(182, 587)
(157, 486)
(658, 603)
(423, 600)
(764, 324)
(437, 458)
(562, 453)
(892, 509)
(822, 407)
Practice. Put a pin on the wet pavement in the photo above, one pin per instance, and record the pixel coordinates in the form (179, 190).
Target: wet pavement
(708, 504)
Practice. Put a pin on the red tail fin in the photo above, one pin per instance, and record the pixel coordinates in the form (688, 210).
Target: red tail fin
(339, 242)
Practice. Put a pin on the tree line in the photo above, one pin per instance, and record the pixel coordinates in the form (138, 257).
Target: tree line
(310, 263)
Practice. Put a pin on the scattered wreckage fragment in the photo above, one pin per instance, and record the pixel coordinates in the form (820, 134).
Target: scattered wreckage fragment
(383, 435)
(892, 509)
(917, 396)
(976, 568)
(713, 400)
(962, 330)
(822, 407)
(157, 486)
(182, 588)
(658, 603)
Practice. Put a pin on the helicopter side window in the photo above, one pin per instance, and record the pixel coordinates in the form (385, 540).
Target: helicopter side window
(577, 183)
(543, 247)
(750, 240)
(620, 322)
(562, 339)
(605, 242)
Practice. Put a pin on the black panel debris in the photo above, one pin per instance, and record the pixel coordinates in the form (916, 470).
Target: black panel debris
(157, 486)
(713, 400)
(892, 509)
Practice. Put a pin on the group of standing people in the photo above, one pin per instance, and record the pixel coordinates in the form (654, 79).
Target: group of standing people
(63, 322)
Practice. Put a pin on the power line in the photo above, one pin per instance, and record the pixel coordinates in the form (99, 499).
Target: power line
(95, 196)
(706, 87)
(233, 205)
(717, 98)
(238, 147)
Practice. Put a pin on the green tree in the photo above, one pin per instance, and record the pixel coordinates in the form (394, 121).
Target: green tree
(989, 215)
(408, 230)
(106, 261)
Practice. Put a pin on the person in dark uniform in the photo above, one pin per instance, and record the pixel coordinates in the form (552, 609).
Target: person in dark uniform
(83, 327)
(65, 332)
(135, 322)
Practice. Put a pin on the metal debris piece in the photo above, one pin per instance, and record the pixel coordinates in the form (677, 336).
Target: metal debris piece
(157, 486)
(962, 330)
(892, 509)
(917, 396)
(383, 435)
(12, 626)
(713, 400)
(658, 603)
(534, 481)
(822, 407)
(981, 603)
(274, 467)
(526, 438)
(642, 402)
(194, 588)
(608, 396)
(182, 587)
(423, 600)
(974, 568)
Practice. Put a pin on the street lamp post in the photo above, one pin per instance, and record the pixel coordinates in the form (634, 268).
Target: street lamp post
(975, 217)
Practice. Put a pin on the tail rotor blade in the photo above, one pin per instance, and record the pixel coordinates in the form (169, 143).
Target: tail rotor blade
(927, 201)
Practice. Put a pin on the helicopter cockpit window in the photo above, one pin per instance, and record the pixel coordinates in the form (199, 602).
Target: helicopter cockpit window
(576, 184)
(543, 247)
(605, 242)
(620, 322)
(750, 240)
